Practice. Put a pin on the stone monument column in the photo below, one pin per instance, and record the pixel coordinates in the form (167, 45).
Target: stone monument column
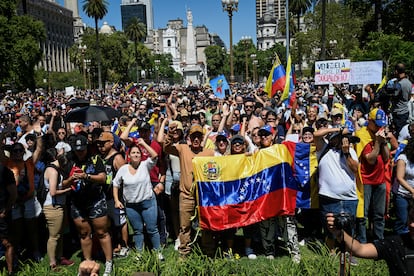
(192, 69)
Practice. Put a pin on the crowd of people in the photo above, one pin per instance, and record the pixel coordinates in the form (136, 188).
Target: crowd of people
(101, 176)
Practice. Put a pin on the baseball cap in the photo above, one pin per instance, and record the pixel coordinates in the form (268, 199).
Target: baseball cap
(237, 139)
(236, 127)
(80, 143)
(308, 129)
(221, 137)
(106, 136)
(184, 113)
(378, 116)
(336, 111)
(265, 130)
(196, 128)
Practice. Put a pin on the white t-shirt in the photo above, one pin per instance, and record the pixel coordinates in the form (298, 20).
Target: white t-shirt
(336, 179)
(137, 187)
(409, 176)
(404, 134)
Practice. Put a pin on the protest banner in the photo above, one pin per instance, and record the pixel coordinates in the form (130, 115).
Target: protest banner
(366, 72)
(332, 71)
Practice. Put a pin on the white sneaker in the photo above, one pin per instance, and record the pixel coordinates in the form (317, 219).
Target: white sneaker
(252, 256)
(160, 256)
(296, 258)
(108, 268)
(176, 244)
(123, 252)
(270, 257)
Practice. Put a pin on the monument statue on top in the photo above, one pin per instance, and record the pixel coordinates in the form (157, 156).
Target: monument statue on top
(192, 69)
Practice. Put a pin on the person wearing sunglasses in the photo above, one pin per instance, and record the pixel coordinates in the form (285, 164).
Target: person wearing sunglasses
(187, 201)
(89, 207)
(113, 160)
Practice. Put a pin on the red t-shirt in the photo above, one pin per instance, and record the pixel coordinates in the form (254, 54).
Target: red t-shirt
(372, 174)
(154, 172)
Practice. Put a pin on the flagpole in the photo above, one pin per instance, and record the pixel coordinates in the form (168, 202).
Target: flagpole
(287, 30)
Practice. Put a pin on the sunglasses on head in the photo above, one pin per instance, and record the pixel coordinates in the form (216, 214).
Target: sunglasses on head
(101, 143)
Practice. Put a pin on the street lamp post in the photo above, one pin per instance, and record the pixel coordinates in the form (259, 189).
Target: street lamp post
(332, 46)
(157, 65)
(229, 6)
(83, 50)
(246, 41)
(253, 57)
(48, 74)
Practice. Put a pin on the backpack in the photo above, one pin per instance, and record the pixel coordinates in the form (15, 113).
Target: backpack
(42, 190)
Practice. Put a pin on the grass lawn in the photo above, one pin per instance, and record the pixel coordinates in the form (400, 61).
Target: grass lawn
(314, 262)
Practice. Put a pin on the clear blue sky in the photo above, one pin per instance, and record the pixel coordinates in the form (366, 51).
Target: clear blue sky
(205, 12)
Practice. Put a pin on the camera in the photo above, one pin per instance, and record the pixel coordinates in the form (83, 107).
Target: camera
(393, 88)
(343, 221)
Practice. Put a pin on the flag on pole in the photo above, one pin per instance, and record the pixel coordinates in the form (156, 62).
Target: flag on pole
(383, 82)
(276, 80)
(289, 89)
(131, 88)
(219, 86)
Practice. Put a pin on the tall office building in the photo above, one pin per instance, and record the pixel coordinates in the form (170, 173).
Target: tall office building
(278, 9)
(58, 23)
(141, 9)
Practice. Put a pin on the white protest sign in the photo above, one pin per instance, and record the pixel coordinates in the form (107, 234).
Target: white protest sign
(366, 72)
(332, 71)
(69, 91)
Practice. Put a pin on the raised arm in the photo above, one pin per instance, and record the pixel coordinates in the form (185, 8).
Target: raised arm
(125, 134)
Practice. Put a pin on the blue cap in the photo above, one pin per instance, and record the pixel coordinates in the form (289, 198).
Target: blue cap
(236, 127)
(379, 116)
(266, 128)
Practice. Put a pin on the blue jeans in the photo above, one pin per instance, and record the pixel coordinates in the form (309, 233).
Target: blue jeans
(374, 200)
(140, 213)
(336, 206)
(401, 212)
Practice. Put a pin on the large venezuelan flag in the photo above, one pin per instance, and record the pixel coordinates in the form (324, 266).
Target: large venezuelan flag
(276, 80)
(238, 190)
(304, 168)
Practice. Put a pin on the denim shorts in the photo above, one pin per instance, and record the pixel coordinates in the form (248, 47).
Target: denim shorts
(29, 209)
(91, 210)
(117, 215)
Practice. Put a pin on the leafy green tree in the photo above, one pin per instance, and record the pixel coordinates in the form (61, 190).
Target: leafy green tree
(242, 51)
(343, 30)
(391, 49)
(19, 46)
(96, 9)
(136, 31)
(217, 60)
(299, 7)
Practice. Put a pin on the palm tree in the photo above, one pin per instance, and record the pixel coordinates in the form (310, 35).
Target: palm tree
(96, 9)
(136, 31)
(299, 7)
